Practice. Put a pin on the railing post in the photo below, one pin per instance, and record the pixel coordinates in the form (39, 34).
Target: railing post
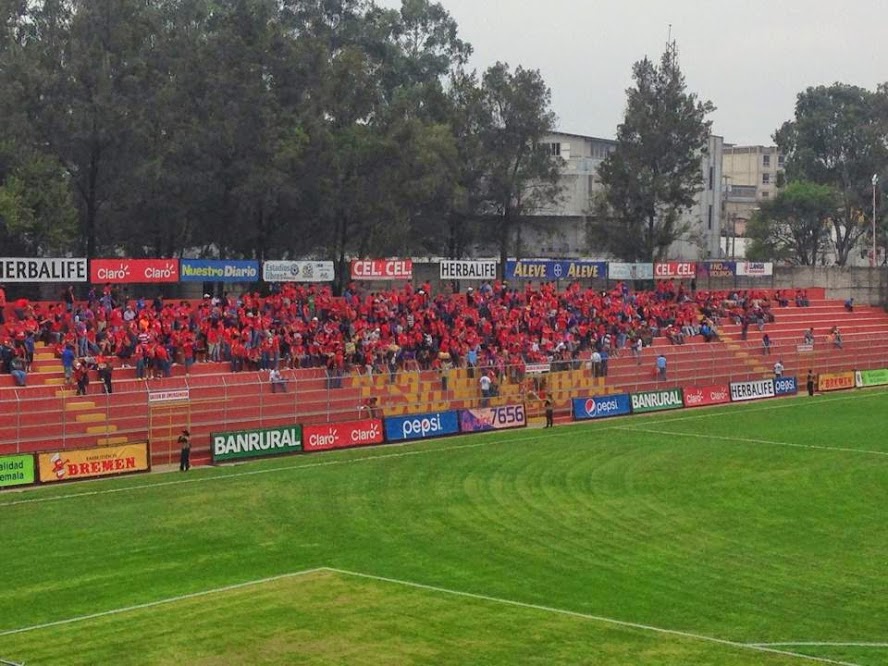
(18, 422)
(261, 401)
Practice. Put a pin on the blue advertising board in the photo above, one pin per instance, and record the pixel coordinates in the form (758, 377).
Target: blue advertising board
(716, 269)
(421, 426)
(786, 386)
(492, 418)
(555, 269)
(601, 406)
(218, 270)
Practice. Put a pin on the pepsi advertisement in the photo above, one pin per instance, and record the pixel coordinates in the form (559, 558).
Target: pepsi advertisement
(786, 386)
(601, 406)
(421, 426)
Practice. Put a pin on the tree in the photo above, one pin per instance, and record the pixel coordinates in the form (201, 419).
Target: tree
(520, 177)
(653, 175)
(839, 138)
(793, 226)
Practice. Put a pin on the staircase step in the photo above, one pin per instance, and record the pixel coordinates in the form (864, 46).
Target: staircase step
(94, 417)
(79, 406)
(112, 441)
(101, 429)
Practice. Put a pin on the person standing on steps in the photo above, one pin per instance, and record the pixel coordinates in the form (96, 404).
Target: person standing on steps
(185, 451)
(550, 411)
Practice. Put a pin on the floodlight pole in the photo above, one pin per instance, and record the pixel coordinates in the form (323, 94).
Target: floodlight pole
(875, 182)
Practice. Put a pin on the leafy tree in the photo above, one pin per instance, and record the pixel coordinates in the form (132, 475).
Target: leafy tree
(793, 226)
(519, 176)
(839, 138)
(653, 175)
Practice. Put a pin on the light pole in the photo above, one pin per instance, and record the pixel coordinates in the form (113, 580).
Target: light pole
(875, 182)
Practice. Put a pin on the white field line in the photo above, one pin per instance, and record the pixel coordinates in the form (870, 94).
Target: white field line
(757, 647)
(747, 440)
(159, 602)
(593, 618)
(540, 434)
(820, 644)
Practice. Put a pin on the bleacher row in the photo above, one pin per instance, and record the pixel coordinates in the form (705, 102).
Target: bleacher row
(47, 415)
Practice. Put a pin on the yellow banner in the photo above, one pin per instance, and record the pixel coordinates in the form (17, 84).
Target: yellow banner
(91, 463)
(835, 381)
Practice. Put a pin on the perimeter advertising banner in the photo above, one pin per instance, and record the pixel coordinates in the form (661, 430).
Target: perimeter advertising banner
(601, 406)
(17, 471)
(716, 269)
(618, 271)
(241, 444)
(866, 378)
(298, 271)
(698, 396)
(421, 426)
(342, 435)
(468, 270)
(835, 381)
(675, 269)
(92, 463)
(133, 271)
(20, 269)
(754, 390)
(656, 401)
(382, 269)
(786, 386)
(218, 270)
(492, 418)
(755, 268)
(555, 269)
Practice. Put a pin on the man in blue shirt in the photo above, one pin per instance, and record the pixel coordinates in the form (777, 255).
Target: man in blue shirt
(661, 367)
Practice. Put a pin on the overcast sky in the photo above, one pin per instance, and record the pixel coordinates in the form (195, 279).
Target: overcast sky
(749, 57)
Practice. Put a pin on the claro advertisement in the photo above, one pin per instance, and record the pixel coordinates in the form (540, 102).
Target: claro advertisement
(714, 394)
(342, 435)
(91, 463)
(240, 444)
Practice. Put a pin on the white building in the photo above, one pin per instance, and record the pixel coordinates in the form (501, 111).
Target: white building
(561, 230)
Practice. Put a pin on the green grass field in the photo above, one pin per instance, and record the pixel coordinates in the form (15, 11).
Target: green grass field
(750, 534)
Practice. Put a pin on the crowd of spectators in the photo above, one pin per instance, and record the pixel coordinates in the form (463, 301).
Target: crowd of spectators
(497, 326)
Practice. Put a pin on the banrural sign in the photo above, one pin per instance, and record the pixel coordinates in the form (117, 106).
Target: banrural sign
(241, 444)
(655, 401)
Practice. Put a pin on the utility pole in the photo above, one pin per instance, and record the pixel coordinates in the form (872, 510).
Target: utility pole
(875, 182)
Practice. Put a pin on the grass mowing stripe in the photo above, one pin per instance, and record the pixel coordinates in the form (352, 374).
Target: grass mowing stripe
(752, 441)
(160, 602)
(819, 644)
(758, 647)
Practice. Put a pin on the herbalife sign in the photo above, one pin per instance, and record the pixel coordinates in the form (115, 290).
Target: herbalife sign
(241, 444)
(655, 401)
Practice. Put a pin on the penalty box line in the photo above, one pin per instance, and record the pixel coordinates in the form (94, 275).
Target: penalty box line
(757, 647)
(771, 648)
(747, 440)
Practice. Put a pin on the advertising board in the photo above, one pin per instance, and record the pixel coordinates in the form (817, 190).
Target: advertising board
(74, 464)
(298, 271)
(241, 444)
(752, 390)
(656, 401)
(755, 268)
(675, 269)
(218, 270)
(366, 432)
(382, 269)
(176, 395)
(716, 269)
(699, 396)
(492, 418)
(865, 378)
(421, 426)
(621, 271)
(786, 386)
(17, 470)
(20, 269)
(133, 271)
(601, 406)
(554, 269)
(835, 381)
(468, 270)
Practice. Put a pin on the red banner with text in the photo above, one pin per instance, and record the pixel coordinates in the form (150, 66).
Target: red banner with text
(698, 396)
(675, 269)
(382, 269)
(133, 271)
(342, 435)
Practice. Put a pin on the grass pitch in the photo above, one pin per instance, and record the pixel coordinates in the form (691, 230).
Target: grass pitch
(748, 534)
